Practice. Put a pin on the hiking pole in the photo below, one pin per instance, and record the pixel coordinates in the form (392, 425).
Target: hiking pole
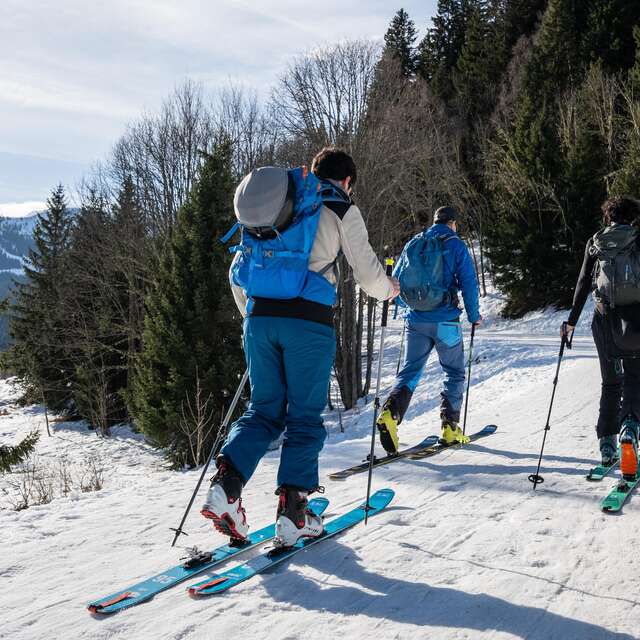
(536, 478)
(221, 432)
(466, 399)
(376, 402)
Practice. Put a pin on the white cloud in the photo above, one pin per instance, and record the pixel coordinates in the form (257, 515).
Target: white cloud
(74, 73)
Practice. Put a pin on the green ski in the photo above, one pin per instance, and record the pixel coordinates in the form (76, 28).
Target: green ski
(601, 471)
(618, 495)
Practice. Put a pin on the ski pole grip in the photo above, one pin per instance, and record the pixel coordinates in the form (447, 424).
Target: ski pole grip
(385, 304)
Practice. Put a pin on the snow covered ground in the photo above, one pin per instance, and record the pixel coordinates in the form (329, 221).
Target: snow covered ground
(467, 549)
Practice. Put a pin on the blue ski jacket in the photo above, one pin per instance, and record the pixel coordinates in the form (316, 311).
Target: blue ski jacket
(459, 275)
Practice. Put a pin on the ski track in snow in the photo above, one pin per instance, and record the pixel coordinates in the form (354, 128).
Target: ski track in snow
(466, 550)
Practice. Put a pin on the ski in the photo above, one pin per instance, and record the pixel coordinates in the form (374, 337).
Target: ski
(378, 462)
(428, 447)
(216, 583)
(438, 447)
(618, 495)
(601, 471)
(202, 561)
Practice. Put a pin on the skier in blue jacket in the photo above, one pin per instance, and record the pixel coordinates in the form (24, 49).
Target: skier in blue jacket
(439, 328)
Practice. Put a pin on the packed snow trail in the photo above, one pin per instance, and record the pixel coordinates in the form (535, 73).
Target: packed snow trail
(466, 550)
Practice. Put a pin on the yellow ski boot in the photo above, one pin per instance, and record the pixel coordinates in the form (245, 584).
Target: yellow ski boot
(452, 434)
(387, 425)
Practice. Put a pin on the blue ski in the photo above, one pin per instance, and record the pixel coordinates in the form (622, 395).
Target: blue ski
(146, 589)
(219, 582)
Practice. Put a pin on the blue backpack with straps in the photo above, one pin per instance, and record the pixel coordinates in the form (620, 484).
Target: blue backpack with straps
(420, 271)
(278, 267)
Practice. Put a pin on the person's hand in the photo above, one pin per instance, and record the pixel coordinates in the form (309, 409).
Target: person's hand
(478, 323)
(395, 283)
(566, 330)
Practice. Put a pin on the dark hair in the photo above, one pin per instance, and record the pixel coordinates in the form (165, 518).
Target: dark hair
(621, 209)
(332, 163)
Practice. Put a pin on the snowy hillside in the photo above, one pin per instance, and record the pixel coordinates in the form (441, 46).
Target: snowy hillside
(15, 241)
(466, 550)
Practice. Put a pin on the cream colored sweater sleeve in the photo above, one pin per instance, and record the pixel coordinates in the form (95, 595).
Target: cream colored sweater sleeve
(354, 240)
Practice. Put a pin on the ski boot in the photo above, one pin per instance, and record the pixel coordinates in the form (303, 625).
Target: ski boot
(387, 425)
(629, 449)
(294, 519)
(609, 450)
(223, 504)
(452, 434)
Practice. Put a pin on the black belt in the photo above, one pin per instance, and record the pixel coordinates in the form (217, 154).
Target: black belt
(295, 308)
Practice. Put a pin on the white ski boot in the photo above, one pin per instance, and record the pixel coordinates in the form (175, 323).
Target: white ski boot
(294, 519)
(223, 504)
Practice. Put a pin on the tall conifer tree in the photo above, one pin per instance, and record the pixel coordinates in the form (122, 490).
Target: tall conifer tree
(37, 320)
(399, 41)
(192, 327)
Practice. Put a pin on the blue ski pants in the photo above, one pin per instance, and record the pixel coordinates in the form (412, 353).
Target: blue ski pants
(289, 363)
(422, 337)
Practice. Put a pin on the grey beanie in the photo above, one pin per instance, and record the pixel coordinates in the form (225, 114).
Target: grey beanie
(261, 196)
(444, 215)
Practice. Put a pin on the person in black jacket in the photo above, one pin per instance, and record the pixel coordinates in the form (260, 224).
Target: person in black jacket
(620, 397)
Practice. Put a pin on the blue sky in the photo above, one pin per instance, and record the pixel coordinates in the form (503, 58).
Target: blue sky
(73, 73)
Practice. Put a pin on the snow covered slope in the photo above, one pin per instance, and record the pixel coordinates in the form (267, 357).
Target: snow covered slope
(467, 550)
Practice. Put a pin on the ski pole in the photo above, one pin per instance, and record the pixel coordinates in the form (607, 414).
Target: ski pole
(221, 433)
(466, 398)
(376, 402)
(536, 478)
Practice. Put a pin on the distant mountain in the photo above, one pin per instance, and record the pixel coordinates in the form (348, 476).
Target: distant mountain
(16, 238)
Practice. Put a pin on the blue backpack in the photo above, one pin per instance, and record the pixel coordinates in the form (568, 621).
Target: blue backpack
(420, 271)
(278, 267)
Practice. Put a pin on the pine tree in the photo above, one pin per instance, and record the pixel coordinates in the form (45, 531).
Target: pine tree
(609, 37)
(399, 42)
(96, 317)
(521, 18)
(480, 64)
(192, 326)
(11, 456)
(440, 48)
(547, 187)
(37, 320)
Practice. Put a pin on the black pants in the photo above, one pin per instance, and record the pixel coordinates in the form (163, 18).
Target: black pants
(620, 382)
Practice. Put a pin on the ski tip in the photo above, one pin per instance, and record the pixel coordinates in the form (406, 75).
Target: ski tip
(380, 499)
(490, 428)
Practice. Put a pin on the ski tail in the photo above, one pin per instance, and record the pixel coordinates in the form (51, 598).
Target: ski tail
(146, 589)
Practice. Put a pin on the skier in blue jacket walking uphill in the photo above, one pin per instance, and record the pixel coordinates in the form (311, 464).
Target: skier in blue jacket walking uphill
(294, 227)
(434, 266)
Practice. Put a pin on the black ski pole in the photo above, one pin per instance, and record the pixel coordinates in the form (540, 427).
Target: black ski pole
(376, 402)
(536, 478)
(466, 399)
(221, 433)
